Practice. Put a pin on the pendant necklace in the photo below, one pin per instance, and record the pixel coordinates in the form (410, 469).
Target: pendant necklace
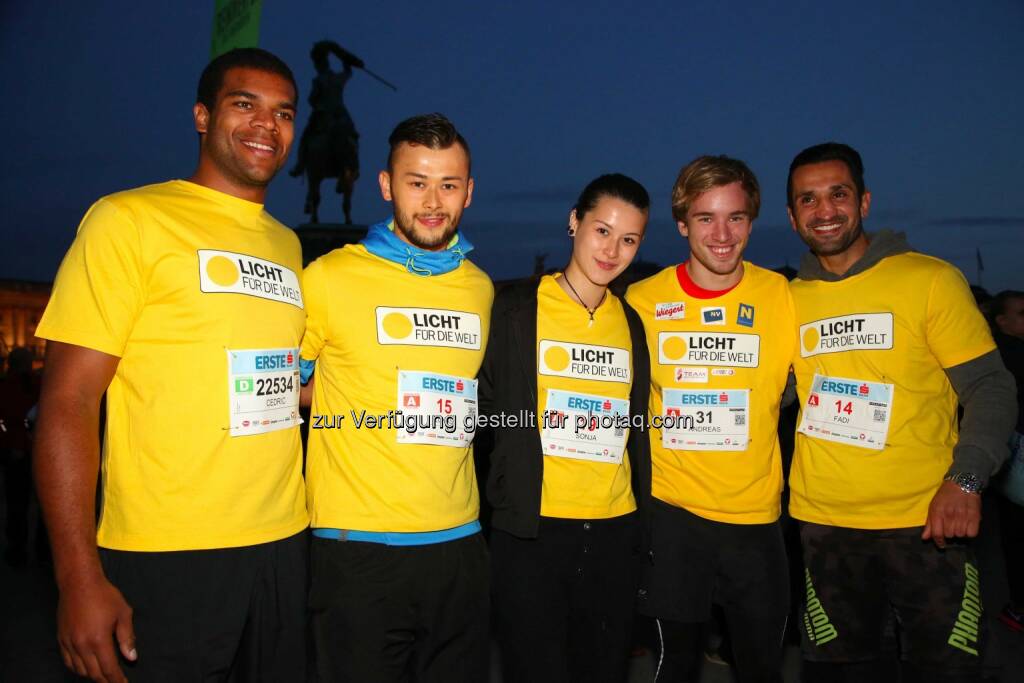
(583, 303)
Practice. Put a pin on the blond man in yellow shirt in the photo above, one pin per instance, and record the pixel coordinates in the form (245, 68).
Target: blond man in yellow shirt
(720, 334)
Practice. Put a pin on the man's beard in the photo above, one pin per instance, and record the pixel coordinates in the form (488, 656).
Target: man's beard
(823, 248)
(406, 224)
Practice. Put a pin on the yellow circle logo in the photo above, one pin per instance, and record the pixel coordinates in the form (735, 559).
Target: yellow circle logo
(397, 325)
(674, 348)
(222, 270)
(810, 339)
(556, 358)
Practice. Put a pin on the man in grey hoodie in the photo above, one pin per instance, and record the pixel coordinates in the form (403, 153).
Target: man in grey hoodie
(890, 342)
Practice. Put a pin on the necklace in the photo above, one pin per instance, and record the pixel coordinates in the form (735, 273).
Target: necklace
(582, 302)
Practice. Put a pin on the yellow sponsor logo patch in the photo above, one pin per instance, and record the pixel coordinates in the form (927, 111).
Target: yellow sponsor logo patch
(855, 332)
(428, 327)
(584, 361)
(228, 272)
(722, 349)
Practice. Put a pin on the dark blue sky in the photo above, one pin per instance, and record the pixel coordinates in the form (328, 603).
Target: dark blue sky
(549, 95)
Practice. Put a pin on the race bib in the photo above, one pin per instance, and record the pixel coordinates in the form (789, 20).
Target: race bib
(705, 419)
(585, 427)
(849, 411)
(436, 408)
(263, 390)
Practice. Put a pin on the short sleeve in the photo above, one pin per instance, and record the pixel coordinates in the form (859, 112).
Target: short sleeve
(314, 293)
(956, 330)
(99, 290)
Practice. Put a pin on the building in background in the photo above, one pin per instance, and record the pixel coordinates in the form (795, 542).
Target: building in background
(21, 306)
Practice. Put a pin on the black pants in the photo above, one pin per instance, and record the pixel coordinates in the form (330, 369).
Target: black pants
(405, 614)
(564, 601)
(233, 614)
(1011, 529)
(855, 578)
(696, 563)
(681, 645)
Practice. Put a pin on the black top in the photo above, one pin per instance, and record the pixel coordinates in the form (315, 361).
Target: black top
(508, 384)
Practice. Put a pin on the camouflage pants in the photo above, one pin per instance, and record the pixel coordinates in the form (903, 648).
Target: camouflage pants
(856, 578)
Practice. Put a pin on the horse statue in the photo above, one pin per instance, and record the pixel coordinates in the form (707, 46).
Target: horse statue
(329, 147)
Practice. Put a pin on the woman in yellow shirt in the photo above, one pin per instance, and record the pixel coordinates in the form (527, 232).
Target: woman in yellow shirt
(564, 383)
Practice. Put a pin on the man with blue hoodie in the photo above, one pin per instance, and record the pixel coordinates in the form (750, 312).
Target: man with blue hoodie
(397, 326)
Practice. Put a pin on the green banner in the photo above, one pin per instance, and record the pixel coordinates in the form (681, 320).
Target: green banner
(236, 23)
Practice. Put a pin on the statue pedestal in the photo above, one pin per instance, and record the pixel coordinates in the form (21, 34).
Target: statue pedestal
(319, 238)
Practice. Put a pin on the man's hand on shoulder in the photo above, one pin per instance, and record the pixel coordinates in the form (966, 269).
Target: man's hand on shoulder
(91, 614)
(953, 513)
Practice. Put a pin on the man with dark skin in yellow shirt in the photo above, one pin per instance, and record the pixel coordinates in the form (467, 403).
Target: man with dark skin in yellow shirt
(175, 300)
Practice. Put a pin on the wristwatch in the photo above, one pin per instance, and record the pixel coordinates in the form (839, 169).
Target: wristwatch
(967, 481)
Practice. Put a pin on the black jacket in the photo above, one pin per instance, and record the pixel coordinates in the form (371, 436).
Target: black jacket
(508, 384)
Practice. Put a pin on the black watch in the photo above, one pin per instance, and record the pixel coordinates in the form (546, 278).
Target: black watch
(967, 481)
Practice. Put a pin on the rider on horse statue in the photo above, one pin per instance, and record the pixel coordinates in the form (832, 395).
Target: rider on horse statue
(329, 147)
(326, 99)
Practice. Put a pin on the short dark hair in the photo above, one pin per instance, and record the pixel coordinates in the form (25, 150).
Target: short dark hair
(433, 131)
(828, 151)
(611, 185)
(708, 172)
(1000, 302)
(212, 78)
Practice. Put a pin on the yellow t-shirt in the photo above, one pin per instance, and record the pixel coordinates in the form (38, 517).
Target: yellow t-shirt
(592, 360)
(901, 323)
(740, 340)
(169, 278)
(368, 320)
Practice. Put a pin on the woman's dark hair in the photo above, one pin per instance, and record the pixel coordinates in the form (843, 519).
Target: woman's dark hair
(612, 185)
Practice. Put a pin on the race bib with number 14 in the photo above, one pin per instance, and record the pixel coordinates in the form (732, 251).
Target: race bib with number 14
(849, 411)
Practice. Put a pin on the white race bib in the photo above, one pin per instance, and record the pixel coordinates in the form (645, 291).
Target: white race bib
(436, 408)
(263, 390)
(849, 411)
(585, 427)
(705, 419)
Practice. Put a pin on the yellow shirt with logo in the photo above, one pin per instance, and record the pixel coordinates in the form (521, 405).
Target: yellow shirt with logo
(595, 360)
(742, 339)
(168, 278)
(901, 322)
(368, 319)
